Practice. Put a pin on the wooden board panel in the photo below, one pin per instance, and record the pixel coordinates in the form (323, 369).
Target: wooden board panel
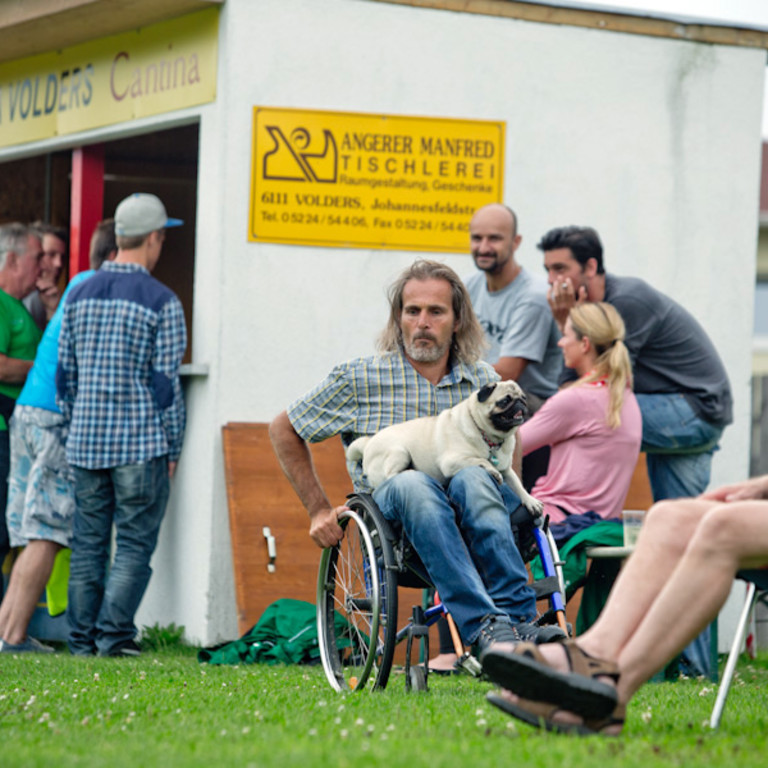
(260, 495)
(639, 495)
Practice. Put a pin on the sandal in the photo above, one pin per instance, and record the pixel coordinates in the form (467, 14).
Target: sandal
(540, 715)
(527, 673)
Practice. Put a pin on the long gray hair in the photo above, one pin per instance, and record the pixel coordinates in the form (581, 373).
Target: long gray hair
(468, 342)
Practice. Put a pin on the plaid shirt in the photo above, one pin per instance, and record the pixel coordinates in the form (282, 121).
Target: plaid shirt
(362, 396)
(122, 339)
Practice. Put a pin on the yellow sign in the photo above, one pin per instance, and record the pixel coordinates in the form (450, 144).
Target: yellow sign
(371, 181)
(149, 71)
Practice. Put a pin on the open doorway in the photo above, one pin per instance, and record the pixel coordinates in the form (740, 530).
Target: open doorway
(163, 162)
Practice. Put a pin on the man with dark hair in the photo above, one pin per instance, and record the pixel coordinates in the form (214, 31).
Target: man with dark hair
(40, 494)
(122, 341)
(44, 300)
(429, 361)
(679, 379)
(20, 255)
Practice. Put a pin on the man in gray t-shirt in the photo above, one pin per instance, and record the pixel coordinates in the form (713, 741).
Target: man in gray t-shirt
(512, 307)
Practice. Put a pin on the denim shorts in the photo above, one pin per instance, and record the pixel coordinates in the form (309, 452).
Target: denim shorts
(41, 499)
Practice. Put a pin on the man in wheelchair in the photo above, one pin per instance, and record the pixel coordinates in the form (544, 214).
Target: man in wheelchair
(429, 360)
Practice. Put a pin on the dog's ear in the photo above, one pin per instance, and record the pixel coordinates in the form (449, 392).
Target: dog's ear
(485, 392)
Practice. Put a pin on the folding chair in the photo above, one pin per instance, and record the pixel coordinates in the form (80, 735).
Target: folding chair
(757, 584)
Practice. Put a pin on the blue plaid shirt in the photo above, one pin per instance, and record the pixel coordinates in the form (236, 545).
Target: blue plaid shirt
(122, 339)
(362, 396)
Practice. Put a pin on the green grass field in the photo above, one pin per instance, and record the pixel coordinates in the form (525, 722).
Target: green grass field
(164, 709)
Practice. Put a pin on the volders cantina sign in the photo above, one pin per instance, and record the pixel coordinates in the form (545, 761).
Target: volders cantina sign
(156, 69)
(354, 180)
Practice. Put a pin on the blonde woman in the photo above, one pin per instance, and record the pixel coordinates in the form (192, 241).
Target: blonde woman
(593, 426)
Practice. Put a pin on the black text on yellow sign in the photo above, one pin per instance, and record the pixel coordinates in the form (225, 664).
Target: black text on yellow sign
(371, 181)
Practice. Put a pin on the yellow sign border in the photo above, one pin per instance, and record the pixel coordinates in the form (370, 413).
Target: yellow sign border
(256, 229)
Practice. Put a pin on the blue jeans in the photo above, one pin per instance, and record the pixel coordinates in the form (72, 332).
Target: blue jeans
(678, 445)
(5, 467)
(462, 534)
(102, 607)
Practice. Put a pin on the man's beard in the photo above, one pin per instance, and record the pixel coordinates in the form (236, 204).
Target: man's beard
(425, 354)
(495, 266)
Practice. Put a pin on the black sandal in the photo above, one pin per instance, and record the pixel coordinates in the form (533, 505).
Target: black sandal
(526, 672)
(540, 715)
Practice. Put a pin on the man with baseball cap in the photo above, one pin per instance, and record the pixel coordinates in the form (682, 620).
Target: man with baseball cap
(122, 340)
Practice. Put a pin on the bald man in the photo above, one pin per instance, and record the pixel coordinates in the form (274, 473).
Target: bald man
(512, 307)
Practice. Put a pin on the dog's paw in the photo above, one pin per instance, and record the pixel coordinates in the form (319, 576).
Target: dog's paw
(495, 474)
(534, 506)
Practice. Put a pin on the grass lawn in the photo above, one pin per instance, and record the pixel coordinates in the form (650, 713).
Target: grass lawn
(164, 709)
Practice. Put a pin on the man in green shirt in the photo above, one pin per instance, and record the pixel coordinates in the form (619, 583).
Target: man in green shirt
(20, 254)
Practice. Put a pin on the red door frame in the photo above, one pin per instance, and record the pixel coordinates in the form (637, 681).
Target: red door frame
(87, 196)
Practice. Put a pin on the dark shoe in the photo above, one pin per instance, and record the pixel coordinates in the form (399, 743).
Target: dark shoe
(533, 633)
(128, 648)
(30, 645)
(497, 629)
(524, 671)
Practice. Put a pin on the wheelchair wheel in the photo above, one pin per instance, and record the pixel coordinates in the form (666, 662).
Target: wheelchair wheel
(418, 679)
(357, 601)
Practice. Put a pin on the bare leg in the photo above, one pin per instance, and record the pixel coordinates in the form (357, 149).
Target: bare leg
(730, 537)
(664, 537)
(443, 662)
(663, 599)
(668, 528)
(29, 576)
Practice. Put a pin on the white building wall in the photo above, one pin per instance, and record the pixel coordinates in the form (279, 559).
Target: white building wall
(654, 142)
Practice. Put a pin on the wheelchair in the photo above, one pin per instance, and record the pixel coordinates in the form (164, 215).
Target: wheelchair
(357, 596)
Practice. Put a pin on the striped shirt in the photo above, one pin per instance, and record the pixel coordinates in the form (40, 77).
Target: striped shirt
(122, 340)
(362, 396)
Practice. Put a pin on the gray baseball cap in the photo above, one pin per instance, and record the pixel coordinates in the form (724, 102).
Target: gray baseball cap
(140, 214)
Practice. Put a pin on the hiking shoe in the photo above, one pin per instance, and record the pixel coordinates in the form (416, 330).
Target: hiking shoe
(533, 633)
(30, 645)
(497, 629)
(128, 648)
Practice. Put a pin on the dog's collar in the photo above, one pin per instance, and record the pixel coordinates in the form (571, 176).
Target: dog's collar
(493, 445)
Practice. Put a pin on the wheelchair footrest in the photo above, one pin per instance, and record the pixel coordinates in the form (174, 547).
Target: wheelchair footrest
(546, 587)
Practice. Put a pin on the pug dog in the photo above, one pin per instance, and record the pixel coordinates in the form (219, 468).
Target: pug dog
(478, 432)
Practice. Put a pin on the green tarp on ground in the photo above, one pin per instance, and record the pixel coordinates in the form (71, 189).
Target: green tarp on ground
(286, 633)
